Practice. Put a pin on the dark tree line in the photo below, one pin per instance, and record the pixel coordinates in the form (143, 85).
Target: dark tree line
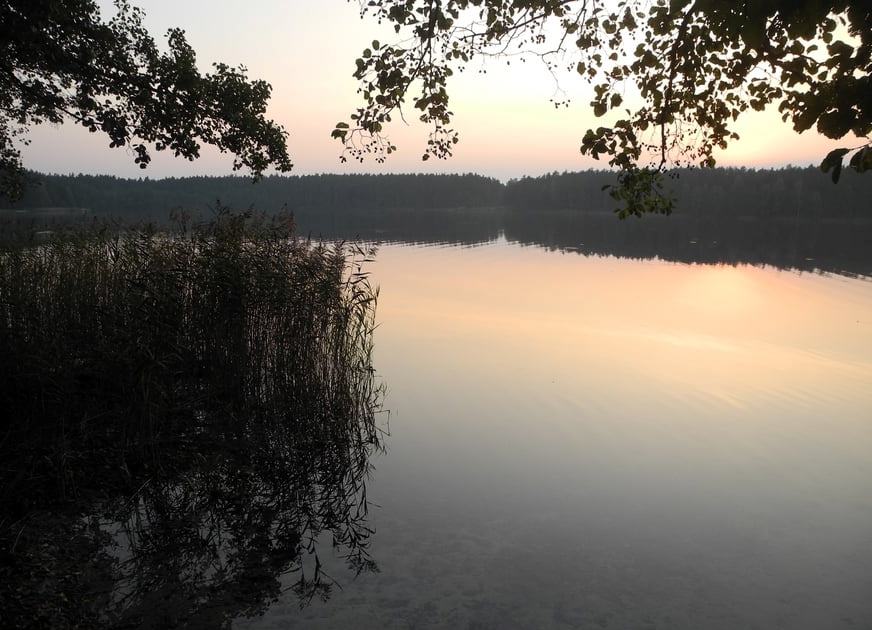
(715, 193)
(154, 199)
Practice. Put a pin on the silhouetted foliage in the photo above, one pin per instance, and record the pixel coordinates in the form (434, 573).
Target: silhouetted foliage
(59, 60)
(695, 64)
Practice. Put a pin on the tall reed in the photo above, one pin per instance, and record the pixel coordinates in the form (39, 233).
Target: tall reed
(134, 358)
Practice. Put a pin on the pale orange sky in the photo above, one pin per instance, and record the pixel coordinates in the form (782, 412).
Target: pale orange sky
(306, 50)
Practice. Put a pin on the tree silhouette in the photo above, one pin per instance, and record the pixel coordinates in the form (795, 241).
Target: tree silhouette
(695, 64)
(60, 60)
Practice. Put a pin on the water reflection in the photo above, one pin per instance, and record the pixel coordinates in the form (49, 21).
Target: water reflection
(223, 522)
(240, 526)
(578, 442)
(807, 244)
(596, 442)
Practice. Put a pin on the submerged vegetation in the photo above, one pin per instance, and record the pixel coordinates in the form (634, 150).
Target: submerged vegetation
(188, 413)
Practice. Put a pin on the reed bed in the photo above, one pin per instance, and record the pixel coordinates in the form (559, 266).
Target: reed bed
(226, 357)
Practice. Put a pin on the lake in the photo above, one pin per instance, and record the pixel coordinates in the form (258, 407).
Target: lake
(599, 442)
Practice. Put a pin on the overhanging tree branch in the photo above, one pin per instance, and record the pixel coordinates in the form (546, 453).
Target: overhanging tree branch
(697, 66)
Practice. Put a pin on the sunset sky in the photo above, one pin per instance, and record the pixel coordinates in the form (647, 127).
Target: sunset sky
(306, 50)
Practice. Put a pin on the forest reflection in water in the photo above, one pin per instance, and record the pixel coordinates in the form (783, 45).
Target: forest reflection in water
(807, 244)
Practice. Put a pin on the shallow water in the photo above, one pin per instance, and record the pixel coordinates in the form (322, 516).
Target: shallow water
(582, 442)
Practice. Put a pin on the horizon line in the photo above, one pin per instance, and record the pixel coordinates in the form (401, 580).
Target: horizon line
(145, 177)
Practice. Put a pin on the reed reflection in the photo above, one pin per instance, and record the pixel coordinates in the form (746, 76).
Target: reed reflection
(243, 524)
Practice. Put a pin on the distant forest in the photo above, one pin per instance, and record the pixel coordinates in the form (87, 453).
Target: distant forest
(790, 218)
(721, 193)
(154, 198)
(718, 193)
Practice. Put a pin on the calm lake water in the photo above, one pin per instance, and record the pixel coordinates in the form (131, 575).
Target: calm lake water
(582, 442)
